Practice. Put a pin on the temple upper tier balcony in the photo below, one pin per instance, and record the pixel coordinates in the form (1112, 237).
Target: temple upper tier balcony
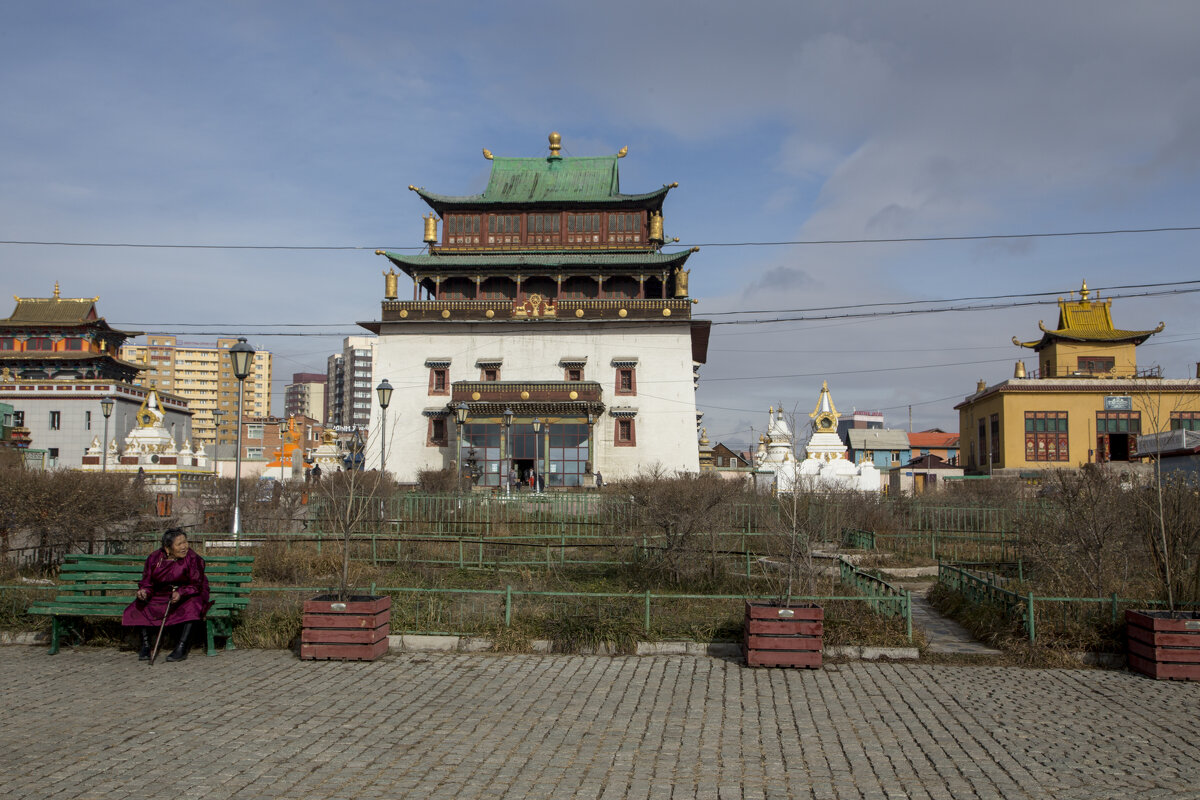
(536, 307)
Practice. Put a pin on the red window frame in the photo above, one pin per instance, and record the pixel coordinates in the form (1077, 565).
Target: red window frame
(489, 374)
(624, 433)
(573, 374)
(632, 388)
(436, 435)
(434, 374)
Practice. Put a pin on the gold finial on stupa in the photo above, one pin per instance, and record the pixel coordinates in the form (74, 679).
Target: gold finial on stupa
(56, 297)
(555, 144)
(1083, 293)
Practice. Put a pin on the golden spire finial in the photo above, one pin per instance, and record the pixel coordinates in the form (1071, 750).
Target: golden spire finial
(1083, 293)
(624, 151)
(487, 154)
(56, 290)
(555, 143)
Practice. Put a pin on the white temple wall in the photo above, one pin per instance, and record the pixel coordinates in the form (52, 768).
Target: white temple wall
(665, 424)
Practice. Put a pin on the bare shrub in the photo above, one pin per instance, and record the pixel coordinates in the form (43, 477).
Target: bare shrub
(685, 514)
(266, 506)
(50, 514)
(437, 481)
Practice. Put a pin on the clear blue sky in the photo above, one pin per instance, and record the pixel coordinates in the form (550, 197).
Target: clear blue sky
(300, 123)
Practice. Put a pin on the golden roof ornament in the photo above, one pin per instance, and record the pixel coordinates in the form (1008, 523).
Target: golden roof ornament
(487, 154)
(390, 284)
(430, 228)
(56, 297)
(624, 151)
(555, 144)
(1083, 293)
(656, 227)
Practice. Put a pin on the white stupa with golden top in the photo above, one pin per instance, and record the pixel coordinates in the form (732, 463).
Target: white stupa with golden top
(825, 465)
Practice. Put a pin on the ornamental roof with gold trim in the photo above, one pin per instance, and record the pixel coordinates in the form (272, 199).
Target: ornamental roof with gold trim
(550, 181)
(56, 310)
(1086, 320)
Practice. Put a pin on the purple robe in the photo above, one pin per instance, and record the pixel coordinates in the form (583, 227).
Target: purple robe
(159, 575)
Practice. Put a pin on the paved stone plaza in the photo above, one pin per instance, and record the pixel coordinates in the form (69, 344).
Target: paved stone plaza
(95, 723)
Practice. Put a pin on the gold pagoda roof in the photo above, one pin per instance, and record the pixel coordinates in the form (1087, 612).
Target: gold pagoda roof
(1086, 320)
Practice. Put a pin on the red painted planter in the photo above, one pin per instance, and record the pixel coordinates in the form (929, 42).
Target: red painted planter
(1163, 644)
(355, 629)
(783, 637)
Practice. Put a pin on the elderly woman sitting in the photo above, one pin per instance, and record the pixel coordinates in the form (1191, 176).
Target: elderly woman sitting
(173, 585)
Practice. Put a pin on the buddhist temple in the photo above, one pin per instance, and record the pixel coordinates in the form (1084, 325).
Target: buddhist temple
(547, 325)
(1086, 402)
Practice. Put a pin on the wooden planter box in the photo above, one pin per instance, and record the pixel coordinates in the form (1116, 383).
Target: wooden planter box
(783, 637)
(355, 629)
(1164, 645)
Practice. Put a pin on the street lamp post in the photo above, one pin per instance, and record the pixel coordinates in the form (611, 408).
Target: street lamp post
(242, 356)
(106, 407)
(216, 415)
(508, 443)
(384, 390)
(537, 449)
(460, 418)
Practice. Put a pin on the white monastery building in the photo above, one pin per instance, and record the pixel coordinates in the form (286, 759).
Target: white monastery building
(546, 326)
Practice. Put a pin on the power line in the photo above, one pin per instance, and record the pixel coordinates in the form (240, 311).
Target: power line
(795, 242)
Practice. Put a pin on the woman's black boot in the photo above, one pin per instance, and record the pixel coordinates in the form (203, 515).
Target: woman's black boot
(144, 653)
(181, 649)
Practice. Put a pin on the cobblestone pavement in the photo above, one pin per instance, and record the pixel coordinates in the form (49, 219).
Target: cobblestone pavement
(95, 723)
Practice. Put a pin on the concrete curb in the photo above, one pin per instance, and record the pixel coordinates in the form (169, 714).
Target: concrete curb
(24, 638)
(412, 643)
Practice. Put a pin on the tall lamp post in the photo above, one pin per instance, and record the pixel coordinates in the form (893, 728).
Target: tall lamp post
(460, 418)
(242, 356)
(216, 415)
(106, 407)
(508, 443)
(537, 449)
(384, 390)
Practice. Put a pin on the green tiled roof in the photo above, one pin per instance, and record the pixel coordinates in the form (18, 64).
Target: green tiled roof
(549, 181)
(503, 261)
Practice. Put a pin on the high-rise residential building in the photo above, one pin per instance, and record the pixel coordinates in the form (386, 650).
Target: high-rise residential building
(305, 395)
(348, 387)
(203, 375)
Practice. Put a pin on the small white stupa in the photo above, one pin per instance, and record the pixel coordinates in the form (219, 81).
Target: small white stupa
(775, 464)
(825, 465)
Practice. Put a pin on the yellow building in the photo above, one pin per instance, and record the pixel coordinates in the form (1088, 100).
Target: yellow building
(204, 376)
(1087, 401)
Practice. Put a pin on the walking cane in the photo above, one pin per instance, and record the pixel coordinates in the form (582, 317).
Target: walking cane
(157, 639)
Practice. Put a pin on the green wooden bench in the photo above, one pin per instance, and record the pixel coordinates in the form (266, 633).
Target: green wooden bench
(92, 586)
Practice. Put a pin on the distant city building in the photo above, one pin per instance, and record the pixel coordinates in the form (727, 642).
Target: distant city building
(203, 375)
(349, 386)
(58, 360)
(305, 395)
(858, 420)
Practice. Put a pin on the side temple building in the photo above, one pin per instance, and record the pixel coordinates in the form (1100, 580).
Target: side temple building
(548, 333)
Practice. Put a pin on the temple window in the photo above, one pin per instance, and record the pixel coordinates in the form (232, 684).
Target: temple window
(8, 343)
(574, 374)
(626, 381)
(489, 374)
(543, 228)
(995, 423)
(583, 228)
(439, 380)
(39, 343)
(578, 287)
(624, 228)
(1185, 420)
(625, 434)
(462, 229)
(458, 288)
(1095, 365)
(73, 344)
(497, 289)
(55, 420)
(437, 433)
(504, 229)
(621, 287)
(1046, 436)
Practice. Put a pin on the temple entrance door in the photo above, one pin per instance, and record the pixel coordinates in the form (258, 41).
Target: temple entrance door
(1118, 447)
(522, 467)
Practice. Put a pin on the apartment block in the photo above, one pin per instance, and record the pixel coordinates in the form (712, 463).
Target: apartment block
(305, 395)
(349, 387)
(203, 375)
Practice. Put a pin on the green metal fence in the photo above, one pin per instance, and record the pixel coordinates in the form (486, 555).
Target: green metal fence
(883, 598)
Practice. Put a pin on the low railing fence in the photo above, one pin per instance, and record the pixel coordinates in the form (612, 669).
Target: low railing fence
(882, 597)
(1050, 618)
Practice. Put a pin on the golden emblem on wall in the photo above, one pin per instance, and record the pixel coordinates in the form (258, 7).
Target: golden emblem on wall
(534, 306)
